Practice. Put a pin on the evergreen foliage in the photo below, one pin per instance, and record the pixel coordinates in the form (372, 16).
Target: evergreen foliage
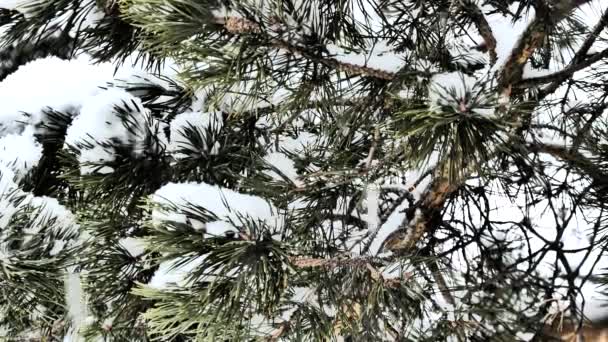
(306, 170)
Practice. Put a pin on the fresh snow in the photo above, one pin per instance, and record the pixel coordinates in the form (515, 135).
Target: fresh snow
(135, 246)
(173, 273)
(99, 123)
(42, 210)
(204, 124)
(229, 206)
(48, 207)
(446, 88)
(453, 89)
(18, 5)
(7, 179)
(77, 309)
(20, 152)
(74, 86)
(8, 189)
(372, 202)
(61, 85)
(284, 165)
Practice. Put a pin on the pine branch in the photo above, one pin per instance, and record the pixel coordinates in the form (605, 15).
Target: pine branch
(362, 262)
(336, 137)
(442, 188)
(244, 26)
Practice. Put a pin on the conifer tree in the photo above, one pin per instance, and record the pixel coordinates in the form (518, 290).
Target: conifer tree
(302, 170)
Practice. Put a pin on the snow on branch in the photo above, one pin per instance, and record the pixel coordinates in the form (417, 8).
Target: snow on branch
(194, 133)
(226, 208)
(107, 121)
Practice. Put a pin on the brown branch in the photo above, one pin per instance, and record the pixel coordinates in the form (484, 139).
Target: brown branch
(244, 26)
(570, 331)
(484, 29)
(365, 262)
(430, 208)
(579, 57)
(532, 38)
(276, 334)
(562, 75)
(241, 26)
